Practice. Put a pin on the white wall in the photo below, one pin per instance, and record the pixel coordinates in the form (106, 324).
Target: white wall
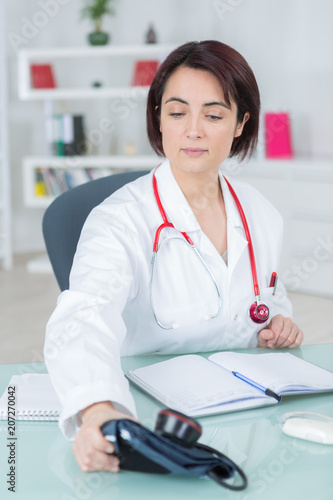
(288, 43)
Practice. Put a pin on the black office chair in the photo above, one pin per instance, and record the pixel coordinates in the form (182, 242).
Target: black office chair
(64, 218)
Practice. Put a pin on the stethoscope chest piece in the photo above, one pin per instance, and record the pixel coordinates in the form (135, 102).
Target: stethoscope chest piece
(259, 312)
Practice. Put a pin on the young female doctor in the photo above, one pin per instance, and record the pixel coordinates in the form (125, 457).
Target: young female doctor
(178, 261)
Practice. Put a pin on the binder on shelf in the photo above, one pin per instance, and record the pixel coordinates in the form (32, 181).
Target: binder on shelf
(278, 135)
(65, 134)
(58, 144)
(74, 144)
(144, 72)
(68, 132)
(42, 76)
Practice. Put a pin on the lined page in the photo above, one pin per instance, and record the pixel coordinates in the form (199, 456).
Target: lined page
(281, 372)
(35, 397)
(191, 383)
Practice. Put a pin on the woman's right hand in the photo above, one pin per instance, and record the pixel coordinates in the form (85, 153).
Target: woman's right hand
(91, 449)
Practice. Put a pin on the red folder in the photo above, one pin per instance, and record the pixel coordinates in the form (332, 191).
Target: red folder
(144, 72)
(278, 135)
(42, 76)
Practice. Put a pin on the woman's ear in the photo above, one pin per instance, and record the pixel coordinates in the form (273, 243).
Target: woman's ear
(240, 125)
(156, 110)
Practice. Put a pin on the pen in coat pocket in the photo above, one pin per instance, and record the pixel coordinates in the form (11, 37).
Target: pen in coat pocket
(273, 282)
(268, 392)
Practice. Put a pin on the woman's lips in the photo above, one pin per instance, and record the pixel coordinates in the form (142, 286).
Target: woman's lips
(194, 152)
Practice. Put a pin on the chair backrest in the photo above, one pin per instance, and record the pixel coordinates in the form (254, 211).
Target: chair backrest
(64, 218)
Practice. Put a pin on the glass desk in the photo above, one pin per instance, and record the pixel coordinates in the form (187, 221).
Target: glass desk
(277, 466)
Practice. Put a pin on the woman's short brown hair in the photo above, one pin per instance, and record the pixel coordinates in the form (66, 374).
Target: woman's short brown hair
(236, 79)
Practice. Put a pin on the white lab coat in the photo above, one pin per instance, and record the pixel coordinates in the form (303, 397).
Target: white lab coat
(106, 312)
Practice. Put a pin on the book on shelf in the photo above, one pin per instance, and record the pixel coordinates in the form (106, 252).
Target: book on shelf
(42, 76)
(229, 381)
(144, 72)
(55, 181)
(40, 185)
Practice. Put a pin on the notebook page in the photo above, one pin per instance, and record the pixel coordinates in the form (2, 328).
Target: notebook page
(281, 372)
(191, 383)
(34, 397)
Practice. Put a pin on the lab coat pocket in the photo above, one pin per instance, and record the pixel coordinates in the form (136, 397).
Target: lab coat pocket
(242, 331)
(182, 290)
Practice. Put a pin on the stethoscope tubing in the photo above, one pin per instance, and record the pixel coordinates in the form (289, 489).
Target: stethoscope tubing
(249, 240)
(258, 311)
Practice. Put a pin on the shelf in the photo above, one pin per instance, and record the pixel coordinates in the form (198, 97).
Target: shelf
(130, 162)
(90, 51)
(31, 164)
(26, 57)
(86, 93)
(302, 169)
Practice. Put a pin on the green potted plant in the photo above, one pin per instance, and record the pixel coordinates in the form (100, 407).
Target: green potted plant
(95, 10)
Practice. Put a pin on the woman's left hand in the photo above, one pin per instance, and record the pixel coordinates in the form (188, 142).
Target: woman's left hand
(280, 332)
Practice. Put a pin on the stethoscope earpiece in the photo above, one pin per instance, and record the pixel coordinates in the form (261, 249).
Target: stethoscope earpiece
(259, 312)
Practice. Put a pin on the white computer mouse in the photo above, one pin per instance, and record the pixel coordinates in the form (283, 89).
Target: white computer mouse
(310, 426)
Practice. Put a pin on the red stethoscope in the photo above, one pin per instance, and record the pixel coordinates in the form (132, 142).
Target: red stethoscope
(258, 311)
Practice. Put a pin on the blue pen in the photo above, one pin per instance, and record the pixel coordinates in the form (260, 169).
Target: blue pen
(268, 392)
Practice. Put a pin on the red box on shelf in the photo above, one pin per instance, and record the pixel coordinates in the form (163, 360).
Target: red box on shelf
(278, 135)
(42, 76)
(144, 72)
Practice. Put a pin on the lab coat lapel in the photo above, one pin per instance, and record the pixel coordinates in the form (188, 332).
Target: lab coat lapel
(173, 200)
(237, 241)
(181, 215)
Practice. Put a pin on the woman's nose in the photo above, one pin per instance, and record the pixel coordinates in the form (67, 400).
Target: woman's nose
(194, 127)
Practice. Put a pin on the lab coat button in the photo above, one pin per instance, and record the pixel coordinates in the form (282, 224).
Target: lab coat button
(235, 317)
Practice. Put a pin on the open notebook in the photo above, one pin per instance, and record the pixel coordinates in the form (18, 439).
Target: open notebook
(197, 386)
(33, 398)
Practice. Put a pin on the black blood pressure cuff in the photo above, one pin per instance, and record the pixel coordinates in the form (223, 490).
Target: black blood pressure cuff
(142, 450)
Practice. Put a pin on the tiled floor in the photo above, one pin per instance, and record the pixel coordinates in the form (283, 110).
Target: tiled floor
(27, 300)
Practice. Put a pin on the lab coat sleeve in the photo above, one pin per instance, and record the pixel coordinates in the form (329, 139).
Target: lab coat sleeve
(85, 332)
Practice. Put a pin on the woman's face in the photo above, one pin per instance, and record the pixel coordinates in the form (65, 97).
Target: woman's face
(197, 125)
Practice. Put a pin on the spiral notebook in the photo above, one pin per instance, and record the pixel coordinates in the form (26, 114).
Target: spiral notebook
(30, 397)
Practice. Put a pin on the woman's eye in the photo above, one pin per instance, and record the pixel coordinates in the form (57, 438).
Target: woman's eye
(214, 117)
(176, 115)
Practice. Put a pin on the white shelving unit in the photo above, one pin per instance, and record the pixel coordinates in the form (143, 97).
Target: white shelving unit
(5, 201)
(54, 56)
(81, 91)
